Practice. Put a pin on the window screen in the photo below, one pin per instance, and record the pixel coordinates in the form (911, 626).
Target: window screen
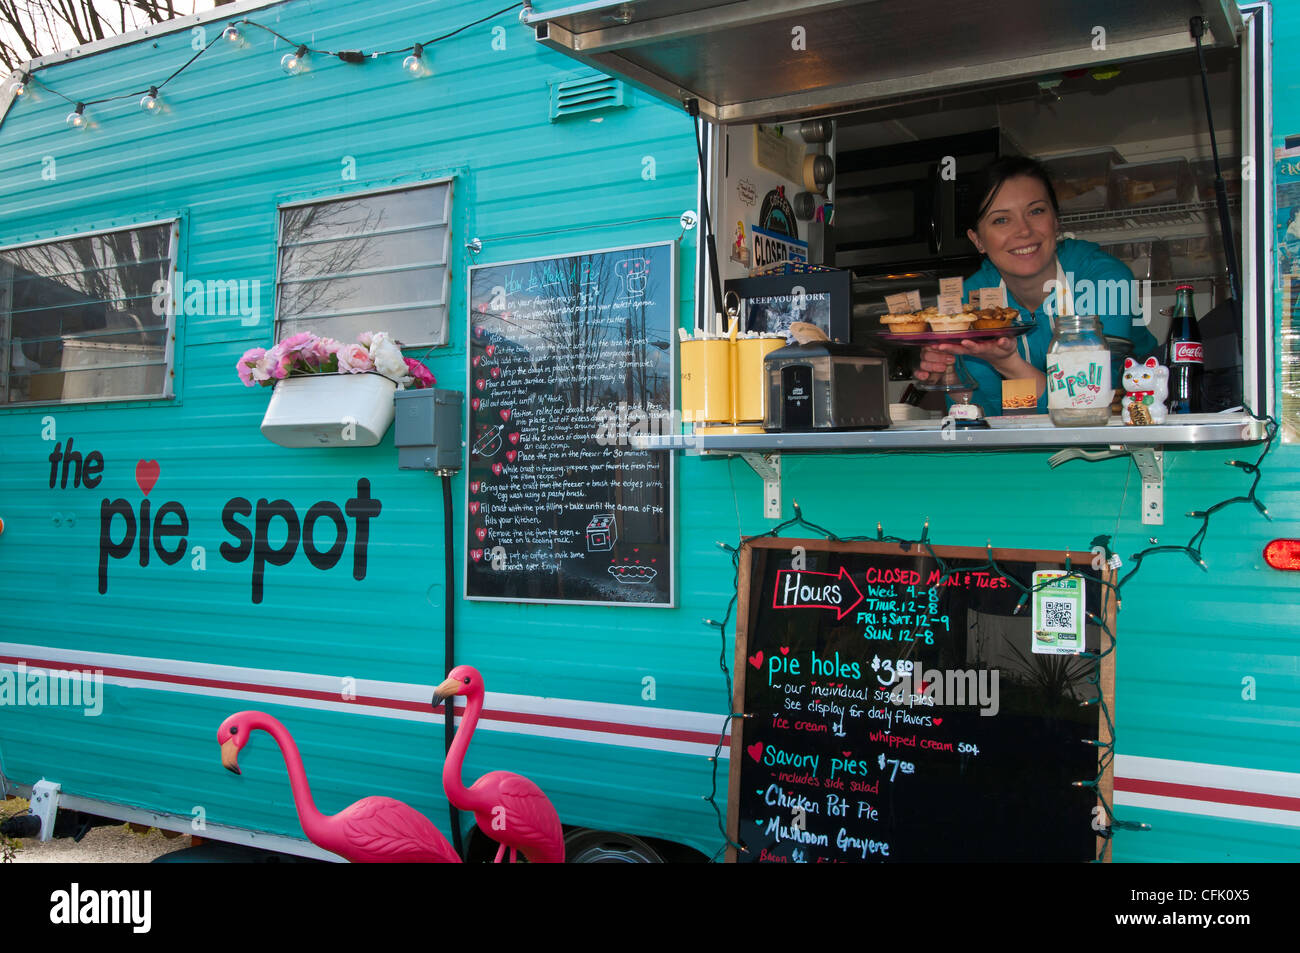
(78, 319)
(374, 262)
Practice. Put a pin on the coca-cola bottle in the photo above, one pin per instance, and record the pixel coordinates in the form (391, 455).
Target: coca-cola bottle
(1185, 356)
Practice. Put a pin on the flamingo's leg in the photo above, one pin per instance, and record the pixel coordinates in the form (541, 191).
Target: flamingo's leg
(512, 855)
(500, 851)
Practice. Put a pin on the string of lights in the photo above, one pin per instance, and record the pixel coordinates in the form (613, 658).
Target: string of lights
(416, 64)
(1106, 749)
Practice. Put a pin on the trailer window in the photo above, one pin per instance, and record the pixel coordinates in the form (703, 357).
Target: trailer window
(81, 319)
(374, 262)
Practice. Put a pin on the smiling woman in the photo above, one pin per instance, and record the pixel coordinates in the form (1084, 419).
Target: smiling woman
(1016, 230)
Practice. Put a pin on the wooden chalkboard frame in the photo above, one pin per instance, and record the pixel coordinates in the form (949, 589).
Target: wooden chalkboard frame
(740, 670)
(670, 490)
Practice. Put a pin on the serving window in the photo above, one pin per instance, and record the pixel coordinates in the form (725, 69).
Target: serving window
(87, 318)
(1121, 124)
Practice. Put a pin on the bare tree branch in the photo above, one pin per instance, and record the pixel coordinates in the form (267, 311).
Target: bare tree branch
(21, 28)
(33, 28)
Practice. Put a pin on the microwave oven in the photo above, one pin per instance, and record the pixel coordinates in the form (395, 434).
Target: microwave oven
(911, 203)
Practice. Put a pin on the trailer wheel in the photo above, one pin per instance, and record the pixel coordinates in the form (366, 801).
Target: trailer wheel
(583, 846)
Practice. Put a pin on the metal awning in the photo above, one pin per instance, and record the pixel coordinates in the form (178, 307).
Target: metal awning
(759, 60)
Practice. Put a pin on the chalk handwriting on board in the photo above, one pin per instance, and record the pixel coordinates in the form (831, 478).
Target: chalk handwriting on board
(889, 718)
(821, 590)
(556, 346)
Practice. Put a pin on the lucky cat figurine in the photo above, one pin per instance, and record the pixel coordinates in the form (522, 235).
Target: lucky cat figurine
(1146, 390)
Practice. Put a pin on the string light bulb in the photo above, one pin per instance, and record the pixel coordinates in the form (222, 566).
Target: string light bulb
(234, 35)
(295, 62)
(20, 86)
(77, 118)
(150, 104)
(415, 64)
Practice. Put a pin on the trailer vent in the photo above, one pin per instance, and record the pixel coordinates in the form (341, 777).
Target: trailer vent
(587, 94)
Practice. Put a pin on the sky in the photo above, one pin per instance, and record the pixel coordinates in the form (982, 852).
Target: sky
(64, 39)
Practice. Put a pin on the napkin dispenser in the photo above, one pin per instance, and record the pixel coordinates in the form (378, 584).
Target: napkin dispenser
(826, 386)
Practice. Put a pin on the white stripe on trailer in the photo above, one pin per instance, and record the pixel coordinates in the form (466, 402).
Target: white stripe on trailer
(1255, 780)
(486, 721)
(1212, 790)
(1234, 812)
(626, 717)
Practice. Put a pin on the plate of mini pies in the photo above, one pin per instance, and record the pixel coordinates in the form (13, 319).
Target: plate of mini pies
(972, 324)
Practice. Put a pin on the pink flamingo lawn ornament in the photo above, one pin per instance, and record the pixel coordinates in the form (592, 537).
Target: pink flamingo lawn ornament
(508, 807)
(374, 830)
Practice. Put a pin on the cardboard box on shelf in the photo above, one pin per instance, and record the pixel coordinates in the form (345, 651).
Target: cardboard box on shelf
(1146, 184)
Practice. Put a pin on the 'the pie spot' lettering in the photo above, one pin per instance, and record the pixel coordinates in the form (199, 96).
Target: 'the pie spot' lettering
(276, 533)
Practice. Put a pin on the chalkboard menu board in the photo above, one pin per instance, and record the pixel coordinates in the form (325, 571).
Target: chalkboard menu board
(571, 358)
(897, 715)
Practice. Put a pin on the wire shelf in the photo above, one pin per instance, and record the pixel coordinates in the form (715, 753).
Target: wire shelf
(1140, 219)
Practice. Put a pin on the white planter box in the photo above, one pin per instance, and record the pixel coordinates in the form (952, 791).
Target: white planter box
(330, 410)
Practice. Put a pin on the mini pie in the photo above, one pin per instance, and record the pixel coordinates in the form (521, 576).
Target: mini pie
(951, 322)
(995, 317)
(903, 323)
(980, 317)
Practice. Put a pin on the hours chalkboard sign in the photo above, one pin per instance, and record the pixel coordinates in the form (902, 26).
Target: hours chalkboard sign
(895, 714)
(570, 359)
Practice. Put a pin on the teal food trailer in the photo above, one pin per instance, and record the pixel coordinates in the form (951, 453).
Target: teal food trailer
(172, 198)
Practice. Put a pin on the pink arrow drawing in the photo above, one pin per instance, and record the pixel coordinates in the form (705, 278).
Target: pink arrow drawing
(821, 590)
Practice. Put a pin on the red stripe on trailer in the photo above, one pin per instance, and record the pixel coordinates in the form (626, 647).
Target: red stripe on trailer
(223, 683)
(523, 718)
(1194, 792)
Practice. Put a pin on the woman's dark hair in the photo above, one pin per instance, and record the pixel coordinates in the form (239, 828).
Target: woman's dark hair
(1011, 167)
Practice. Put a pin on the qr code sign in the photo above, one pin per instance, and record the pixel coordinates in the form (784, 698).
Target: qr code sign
(1058, 615)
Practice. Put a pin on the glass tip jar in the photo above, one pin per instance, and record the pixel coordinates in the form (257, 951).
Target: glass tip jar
(1079, 388)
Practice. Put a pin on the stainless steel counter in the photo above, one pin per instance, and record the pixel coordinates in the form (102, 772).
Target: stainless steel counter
(1004, 433)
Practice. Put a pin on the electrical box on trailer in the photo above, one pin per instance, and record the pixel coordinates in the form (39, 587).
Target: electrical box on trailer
(427, 429)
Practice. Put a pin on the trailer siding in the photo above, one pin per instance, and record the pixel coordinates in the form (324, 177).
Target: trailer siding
(242, 137)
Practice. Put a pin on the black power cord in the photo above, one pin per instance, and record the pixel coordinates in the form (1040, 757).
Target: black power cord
(449, 645)
(693, 109)
(1220, 189)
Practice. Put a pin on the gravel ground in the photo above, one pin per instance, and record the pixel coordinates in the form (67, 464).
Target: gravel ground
(103, 845)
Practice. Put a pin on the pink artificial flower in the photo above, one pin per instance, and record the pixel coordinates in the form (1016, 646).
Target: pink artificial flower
(354, 359)
(423, 378)
(299, 341)
(278, 362)
(249, 364)
(364, 338)
(297, 351)
(320, 351)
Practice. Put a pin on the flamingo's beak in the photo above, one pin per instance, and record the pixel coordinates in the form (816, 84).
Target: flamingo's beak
(230, 756)
(447, 689)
